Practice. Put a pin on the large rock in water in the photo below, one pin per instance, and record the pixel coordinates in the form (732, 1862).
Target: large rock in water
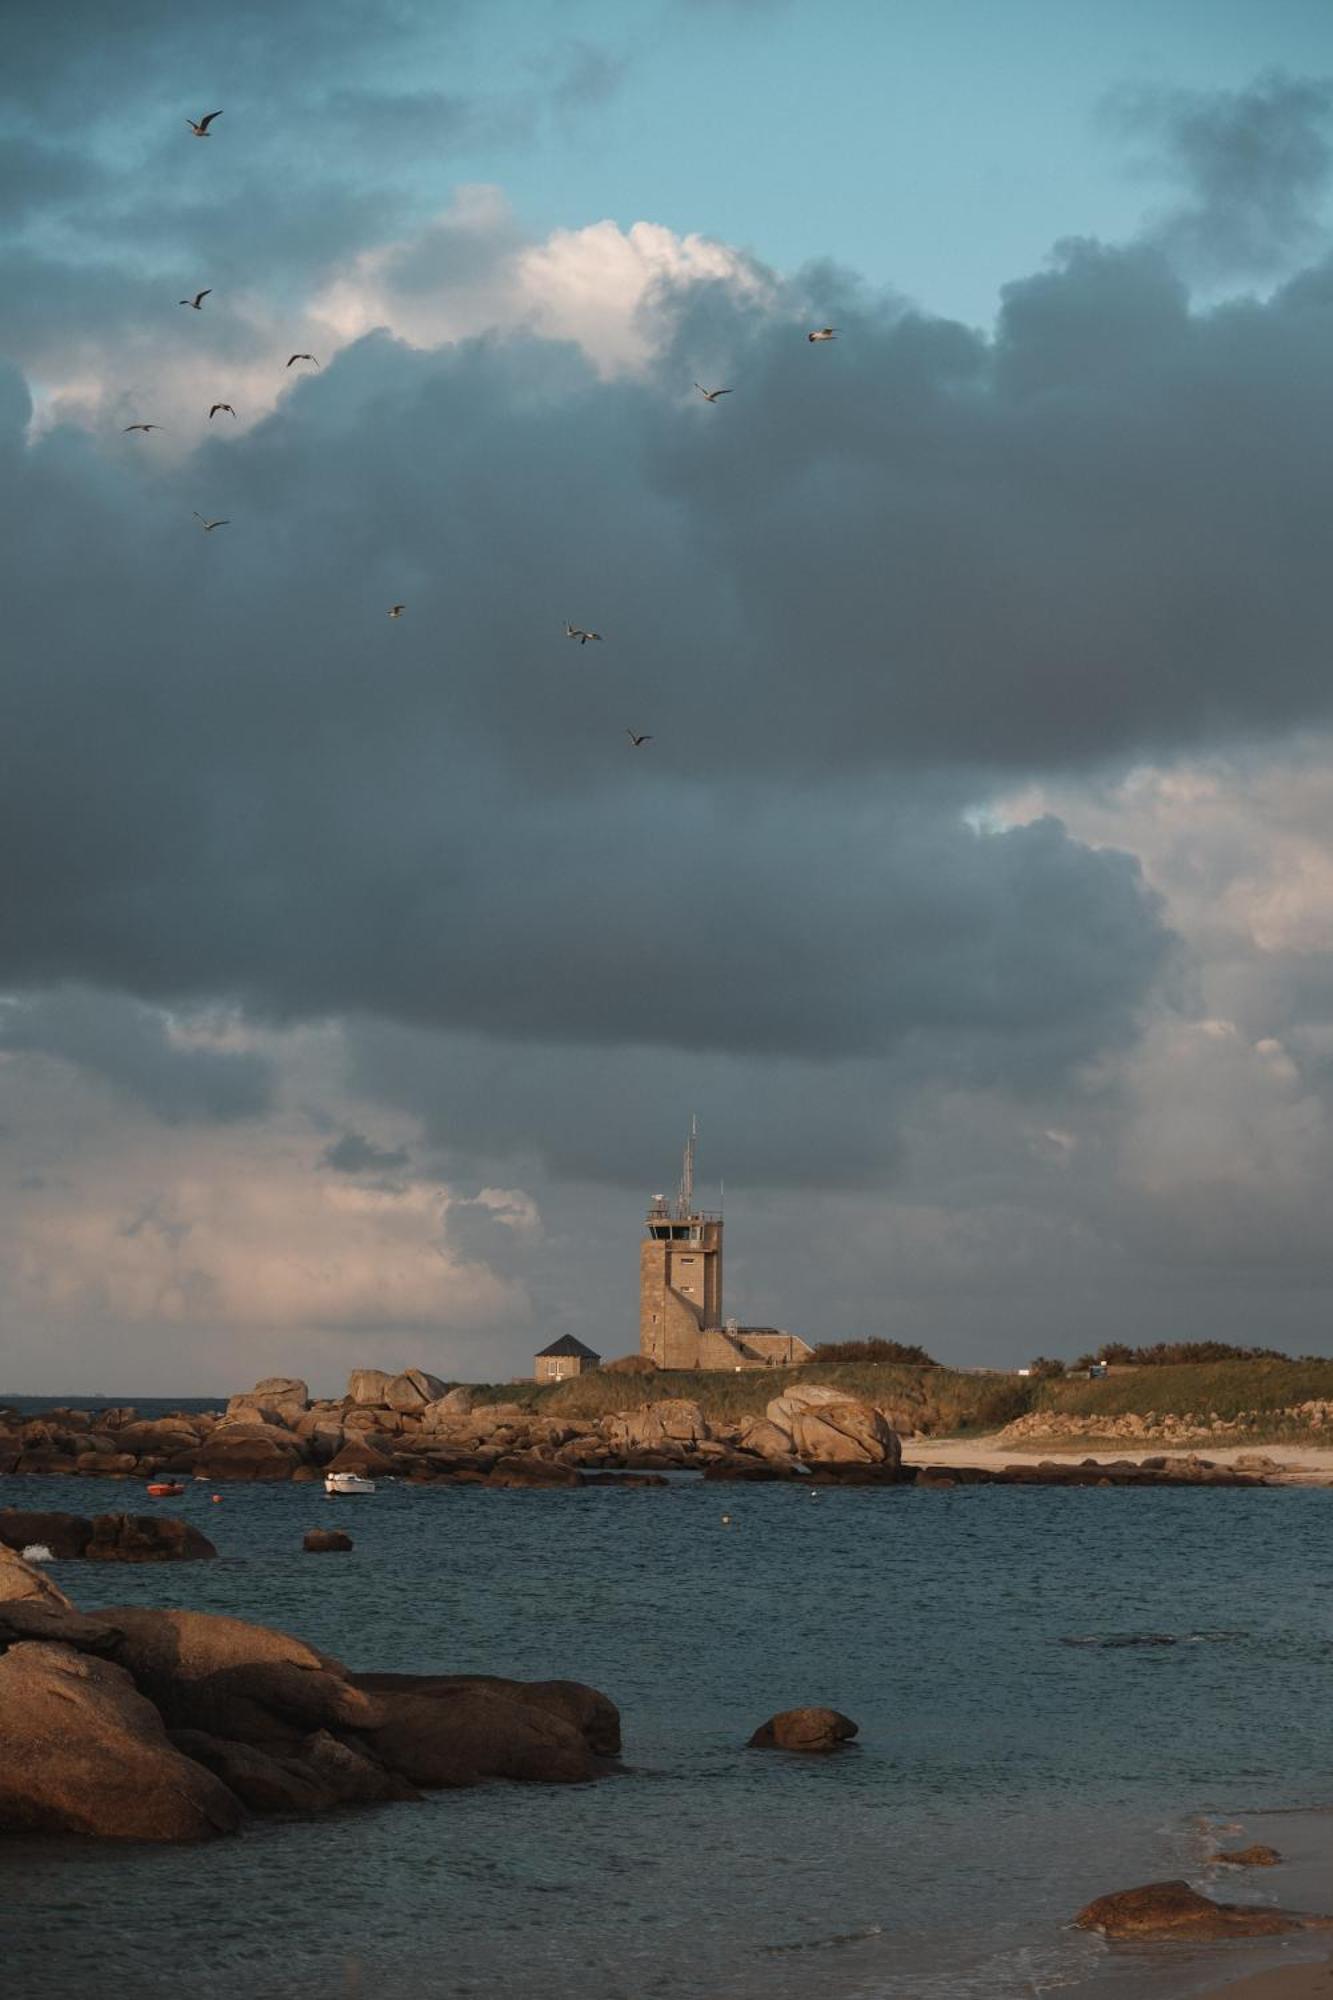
(81, 1751)
(66, 1535)
(232, 1679)
(1174, 1910)
(456, 1730)
(825, 1425)
(146, 1538)
(809, 1729)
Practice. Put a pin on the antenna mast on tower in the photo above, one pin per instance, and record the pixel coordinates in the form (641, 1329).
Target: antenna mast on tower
(685, 1198)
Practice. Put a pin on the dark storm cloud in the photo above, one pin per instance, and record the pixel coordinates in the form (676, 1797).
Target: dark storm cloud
(353, 1153)
(129, 1047)
(884, 577)
(230, 774)
(1254, 164)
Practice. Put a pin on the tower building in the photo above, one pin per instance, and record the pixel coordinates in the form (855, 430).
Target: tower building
(680, 1273)
(680, 1291)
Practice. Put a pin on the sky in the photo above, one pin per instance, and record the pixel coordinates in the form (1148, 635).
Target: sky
(359, 976)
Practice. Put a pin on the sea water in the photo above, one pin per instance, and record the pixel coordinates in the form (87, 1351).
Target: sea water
(1059, 1693)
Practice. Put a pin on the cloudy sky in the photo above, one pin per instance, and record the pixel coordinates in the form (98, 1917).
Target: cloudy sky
(358, 977)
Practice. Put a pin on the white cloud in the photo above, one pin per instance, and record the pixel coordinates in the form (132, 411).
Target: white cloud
(120, 1238)
(472, 271)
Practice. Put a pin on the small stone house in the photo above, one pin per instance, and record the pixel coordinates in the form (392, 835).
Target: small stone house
(563, 1358)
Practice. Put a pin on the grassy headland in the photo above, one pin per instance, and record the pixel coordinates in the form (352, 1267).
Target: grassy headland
(936, 1400)
(1259, 1399)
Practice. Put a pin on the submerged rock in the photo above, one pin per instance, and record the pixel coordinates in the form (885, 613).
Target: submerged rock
(327, 1541)
(1257, 1856)
(809, 1729)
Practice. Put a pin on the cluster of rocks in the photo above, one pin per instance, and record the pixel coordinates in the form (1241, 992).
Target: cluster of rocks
(177, 1725)
(413, 1426)
(1193, 1426)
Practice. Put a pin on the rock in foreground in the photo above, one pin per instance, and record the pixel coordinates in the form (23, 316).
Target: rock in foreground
(82, 1751)
(812, 1729)
(137, 1724)
(1166, 1910)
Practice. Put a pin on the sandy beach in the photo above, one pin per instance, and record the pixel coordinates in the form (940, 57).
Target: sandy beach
(1300, 1464)
(1288, 1982)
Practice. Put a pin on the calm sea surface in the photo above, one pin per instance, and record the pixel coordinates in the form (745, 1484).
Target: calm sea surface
(1023, 1748)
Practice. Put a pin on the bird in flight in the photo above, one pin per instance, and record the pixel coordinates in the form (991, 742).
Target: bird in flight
(711, 395)
(208, 526)
(825, 333)
(220, 406)
(142, 427)
(200, 130)
(303, 357)
(577, 632)
(397, 610)
(637, 741)
(198, 300)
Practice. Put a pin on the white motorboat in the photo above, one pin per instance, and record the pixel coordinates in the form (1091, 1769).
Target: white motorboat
(347, 1482)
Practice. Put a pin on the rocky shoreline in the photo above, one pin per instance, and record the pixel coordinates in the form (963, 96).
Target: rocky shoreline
(412, 1426)
(136, 1724)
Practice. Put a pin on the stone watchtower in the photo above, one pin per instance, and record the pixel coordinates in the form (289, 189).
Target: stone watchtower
(680, 1275)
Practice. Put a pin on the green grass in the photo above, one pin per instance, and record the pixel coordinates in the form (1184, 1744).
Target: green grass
(1226, 1388)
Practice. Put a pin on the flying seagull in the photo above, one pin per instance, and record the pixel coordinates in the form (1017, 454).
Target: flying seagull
(201, 129)
(303, 357)
(142, 427)
(208, 526)
(637, 740)
(825, 333)
(397, 610)
(220, 406)
(198, 300)
(577, 632)
(711, 395)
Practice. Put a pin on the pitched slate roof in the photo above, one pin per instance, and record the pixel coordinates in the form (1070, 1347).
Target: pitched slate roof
(567, 1347)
